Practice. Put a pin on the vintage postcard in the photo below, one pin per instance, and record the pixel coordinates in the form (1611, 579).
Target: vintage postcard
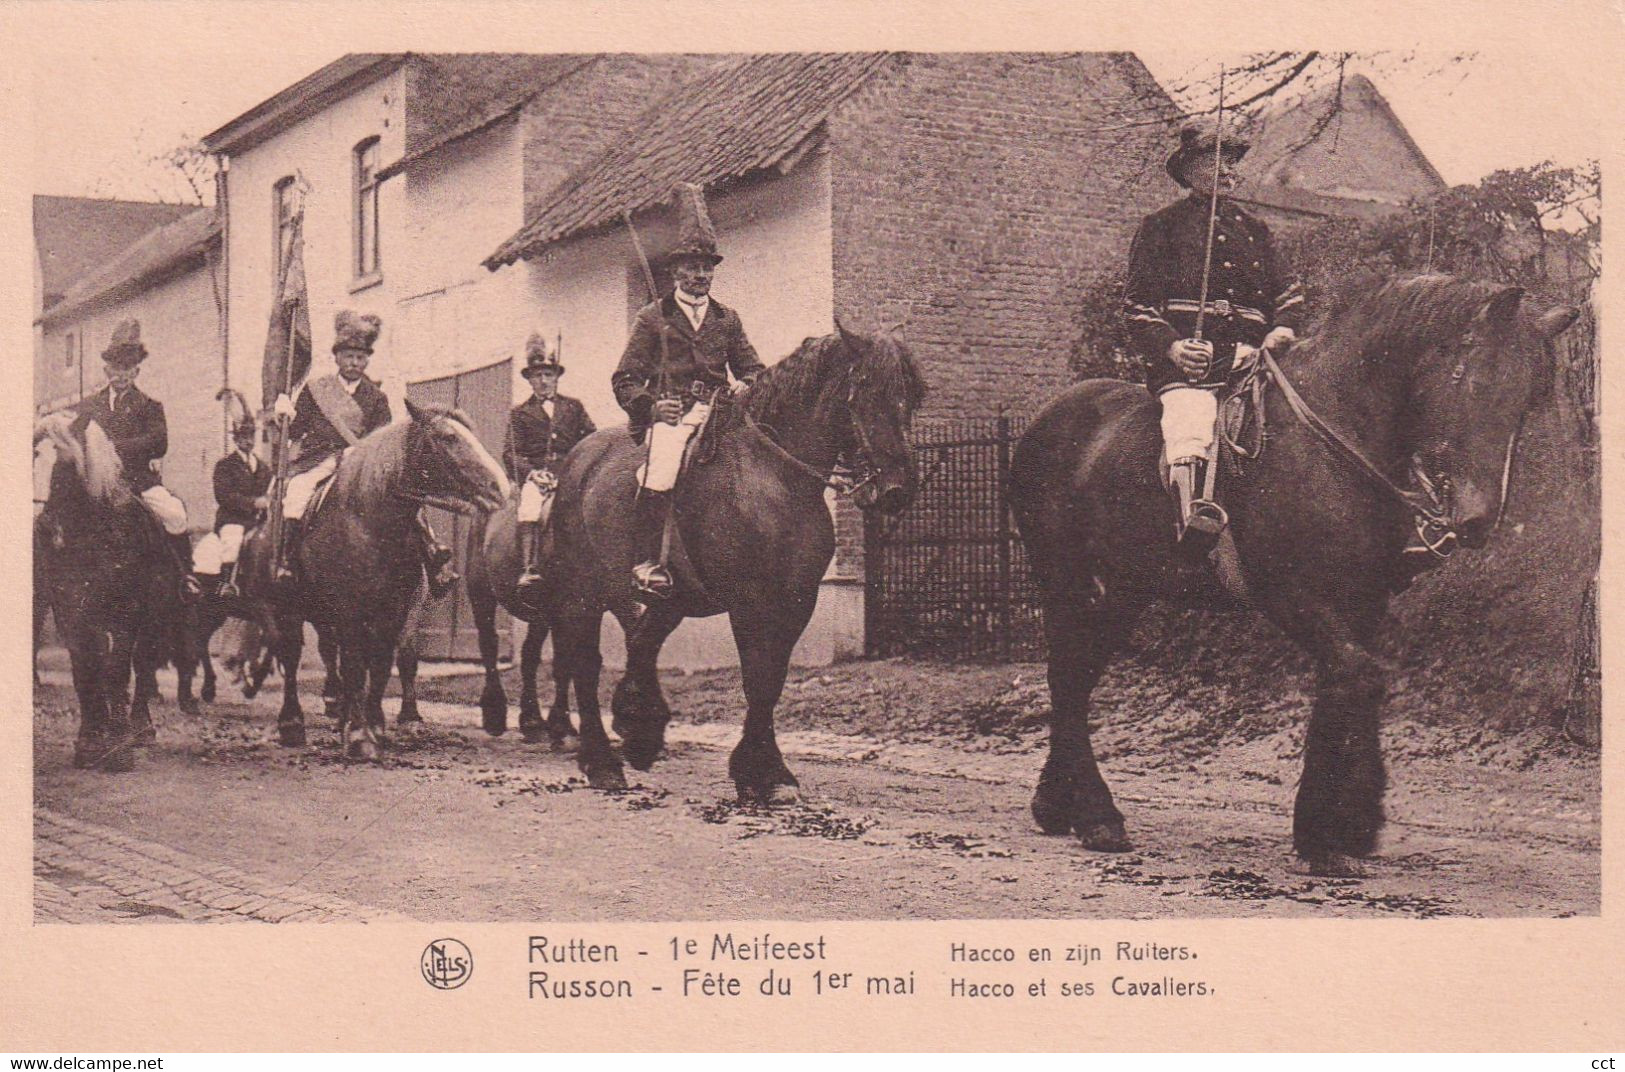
(1030, 526)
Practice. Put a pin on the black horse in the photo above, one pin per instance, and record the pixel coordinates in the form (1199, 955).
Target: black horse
(113, 591)
(752, 538)
(1431, 372)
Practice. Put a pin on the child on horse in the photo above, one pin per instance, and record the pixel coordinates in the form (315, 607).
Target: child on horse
(1253, 301)
(541, 430)
(681, 350)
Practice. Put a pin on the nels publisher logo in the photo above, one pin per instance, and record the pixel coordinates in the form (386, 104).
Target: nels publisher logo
(446, 964)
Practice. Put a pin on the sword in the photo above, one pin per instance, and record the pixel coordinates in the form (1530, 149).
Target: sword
(1212, 208)
(654, 292)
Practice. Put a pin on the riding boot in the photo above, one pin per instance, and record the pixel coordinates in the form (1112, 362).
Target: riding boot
(651, 577)
(530, 543)
(1200, 520)
(180, 549)
(286, 577)
(436, 559)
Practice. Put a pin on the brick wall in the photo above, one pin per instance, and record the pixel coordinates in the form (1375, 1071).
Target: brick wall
(974, 196)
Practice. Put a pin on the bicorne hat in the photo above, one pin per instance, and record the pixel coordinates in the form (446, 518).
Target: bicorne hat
(538, 356)
(125, 349)
(355, 331)
(695, 235)
(1199, 138)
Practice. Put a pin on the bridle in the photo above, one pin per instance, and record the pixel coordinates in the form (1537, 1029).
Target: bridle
(425, 463)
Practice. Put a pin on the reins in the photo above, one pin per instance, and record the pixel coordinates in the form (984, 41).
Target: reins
(1432, 523)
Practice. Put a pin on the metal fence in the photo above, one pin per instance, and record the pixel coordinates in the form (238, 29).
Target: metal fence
(949, 577)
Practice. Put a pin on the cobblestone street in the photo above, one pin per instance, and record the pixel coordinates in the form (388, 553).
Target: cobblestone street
(84, 873)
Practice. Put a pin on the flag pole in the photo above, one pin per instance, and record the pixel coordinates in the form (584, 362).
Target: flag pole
(1212, 206)
(280, 452)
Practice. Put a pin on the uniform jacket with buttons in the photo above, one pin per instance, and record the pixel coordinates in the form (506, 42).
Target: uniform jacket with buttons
(1251, 288)
(137, 428)
(705, 356)
(235, 489)
(537, 441)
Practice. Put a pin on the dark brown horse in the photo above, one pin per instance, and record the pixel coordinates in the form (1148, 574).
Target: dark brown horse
(112, 589)
(753, 539)
(360, 568)
(493, 575)
(1433, 372)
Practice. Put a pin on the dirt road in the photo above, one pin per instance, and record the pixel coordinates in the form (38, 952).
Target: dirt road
(901, 823)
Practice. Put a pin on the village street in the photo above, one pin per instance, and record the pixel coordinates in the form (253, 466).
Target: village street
(923, 815)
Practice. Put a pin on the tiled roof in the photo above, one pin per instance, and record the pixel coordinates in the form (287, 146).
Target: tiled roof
(302, 99)
(454, 95)
(748, 114)
(77, 235)
(153, 256)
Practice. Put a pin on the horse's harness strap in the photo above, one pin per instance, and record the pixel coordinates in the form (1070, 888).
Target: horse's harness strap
(1432, 525)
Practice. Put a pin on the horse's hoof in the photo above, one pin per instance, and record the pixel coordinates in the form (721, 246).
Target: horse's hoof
(190, 707)
(1336, 865)
(331, 706)
(495, 720)
(206, 694)
(291, 734)
(1107, 836)
(780, 795)
(407, 715)
(609, 778)
(1052, 818)
(118, 760)
(361, 750)
(642, 759)
(564, 744)
(146, 735)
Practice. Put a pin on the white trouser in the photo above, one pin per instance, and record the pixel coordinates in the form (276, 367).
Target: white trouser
(303, 486)
(215, 551)
(167, 507)
(534, 503)
(666, 443)
(1188, 416)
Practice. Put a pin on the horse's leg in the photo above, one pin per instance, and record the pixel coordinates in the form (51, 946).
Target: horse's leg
(209, 621)
(1071, 794)
(575, 643)
(146, 657)
(327, 645)
(117, 754)
(380, 654)
(493, 698)
(765, 640)
(640, 712)
(183, 635)
(557, 728)
(87, 654)
(290, 634)
(406, 662)
(1338, 812)
(355, 727)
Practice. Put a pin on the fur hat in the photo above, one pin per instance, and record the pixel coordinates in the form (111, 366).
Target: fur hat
(244, 426)
(125, 350)
(355, 331)
(695, 235)
(1200, 138)
(538, 356)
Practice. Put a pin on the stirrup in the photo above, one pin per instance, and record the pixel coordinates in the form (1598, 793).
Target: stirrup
(191, 590)
(529, 579)
(652, 579)
(1206, 517)
(228, 590)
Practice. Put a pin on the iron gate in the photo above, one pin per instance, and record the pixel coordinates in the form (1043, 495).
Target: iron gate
(949, 577)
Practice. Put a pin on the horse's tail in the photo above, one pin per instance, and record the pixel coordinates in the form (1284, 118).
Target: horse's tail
(102, 470)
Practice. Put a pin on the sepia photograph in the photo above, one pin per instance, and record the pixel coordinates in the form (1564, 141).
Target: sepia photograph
(617, 486)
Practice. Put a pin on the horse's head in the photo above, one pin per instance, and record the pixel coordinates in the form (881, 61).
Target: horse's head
(1469, 396)
(92, 456)
(884, 390)
(448, 467)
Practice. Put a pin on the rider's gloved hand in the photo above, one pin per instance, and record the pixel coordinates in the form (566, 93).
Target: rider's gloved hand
(1193, 357)
(669, 410)
(1279, 338)
(283, 407)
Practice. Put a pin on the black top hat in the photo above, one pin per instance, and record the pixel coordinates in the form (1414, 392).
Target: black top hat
(1200, 138)
(539, 357)
(125, 350)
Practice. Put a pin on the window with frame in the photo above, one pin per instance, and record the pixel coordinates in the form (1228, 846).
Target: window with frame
(282, 213)
(366, 260)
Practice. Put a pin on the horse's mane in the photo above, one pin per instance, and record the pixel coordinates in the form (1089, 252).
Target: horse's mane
(1403, 316)
(372, 468)
(885, 367)
(91, 454)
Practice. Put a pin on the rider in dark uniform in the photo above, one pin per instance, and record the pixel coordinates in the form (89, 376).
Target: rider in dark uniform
(136, 426)
(350, 399)
(682, 348)
(241, 481)
(1254, 301)
(541, 430)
